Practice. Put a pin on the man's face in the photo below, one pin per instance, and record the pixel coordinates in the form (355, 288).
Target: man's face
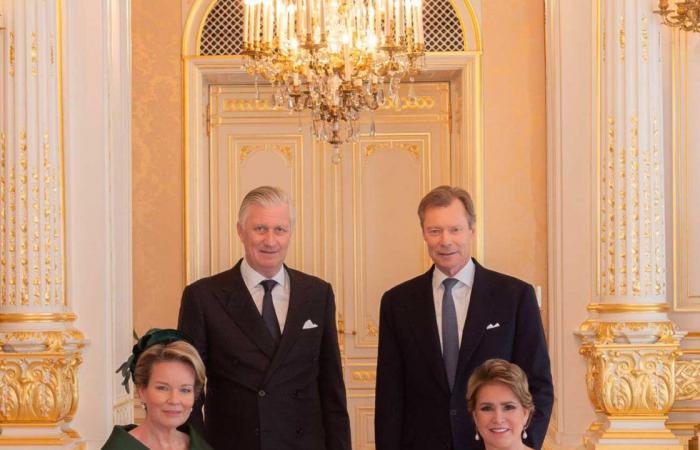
(265, 237)
(448, 236)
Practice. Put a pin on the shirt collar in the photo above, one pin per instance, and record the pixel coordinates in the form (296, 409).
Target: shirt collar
(252, 279)
(464, 276)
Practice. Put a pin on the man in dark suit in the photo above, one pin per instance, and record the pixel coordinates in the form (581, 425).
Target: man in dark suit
(267, 336)
(436, 328)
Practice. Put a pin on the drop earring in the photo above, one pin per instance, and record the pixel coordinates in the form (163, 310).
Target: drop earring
(476, 436)
(524, 434)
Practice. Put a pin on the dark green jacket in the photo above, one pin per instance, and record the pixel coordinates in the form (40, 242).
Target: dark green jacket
(120, 439)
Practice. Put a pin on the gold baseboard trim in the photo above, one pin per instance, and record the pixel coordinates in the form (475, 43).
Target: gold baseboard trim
(693, 335)
(37, 317)
(627, 307)
(58, 441)
(30, 424)
(72, 433)
(685, 409)
(67, 437)
(681, 426)
(638, 434)
(592, 446)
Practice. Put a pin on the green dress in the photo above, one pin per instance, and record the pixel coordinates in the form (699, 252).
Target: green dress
(120, 439)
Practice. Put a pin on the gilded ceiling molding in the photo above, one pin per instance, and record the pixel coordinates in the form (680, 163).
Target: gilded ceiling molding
(40, 351)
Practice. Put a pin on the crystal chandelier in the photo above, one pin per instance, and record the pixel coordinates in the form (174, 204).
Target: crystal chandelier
(686, 15)
(333, 57)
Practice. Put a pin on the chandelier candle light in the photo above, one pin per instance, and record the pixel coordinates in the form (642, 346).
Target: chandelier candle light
(333, 57)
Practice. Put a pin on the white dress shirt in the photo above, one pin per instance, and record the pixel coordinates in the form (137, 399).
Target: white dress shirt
(461, 293)
(280, 292)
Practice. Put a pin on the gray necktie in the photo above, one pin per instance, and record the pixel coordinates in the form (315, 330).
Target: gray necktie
(450, 340)
(268, 310)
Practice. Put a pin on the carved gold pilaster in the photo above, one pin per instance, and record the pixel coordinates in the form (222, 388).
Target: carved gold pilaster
(630, 344)
(39, 350)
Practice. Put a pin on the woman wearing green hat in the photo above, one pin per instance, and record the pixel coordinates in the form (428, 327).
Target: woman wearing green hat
(168, 375)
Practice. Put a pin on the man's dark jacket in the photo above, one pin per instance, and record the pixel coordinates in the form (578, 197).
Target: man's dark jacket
(414, 406)
(259, 398)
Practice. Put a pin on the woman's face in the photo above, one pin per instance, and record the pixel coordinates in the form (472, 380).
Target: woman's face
(499, 417)
(169, 395)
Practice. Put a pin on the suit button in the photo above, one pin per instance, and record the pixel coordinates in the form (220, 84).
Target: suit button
(262, 393)
(453, 412)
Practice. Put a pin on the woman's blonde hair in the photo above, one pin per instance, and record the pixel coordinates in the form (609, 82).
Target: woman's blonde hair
(179, 351)
(495, 371)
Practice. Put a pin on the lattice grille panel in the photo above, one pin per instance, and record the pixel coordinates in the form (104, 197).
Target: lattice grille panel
(223, 30)
(443, 33)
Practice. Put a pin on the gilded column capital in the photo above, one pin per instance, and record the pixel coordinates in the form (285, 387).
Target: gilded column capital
(631, 365)
(595, 332)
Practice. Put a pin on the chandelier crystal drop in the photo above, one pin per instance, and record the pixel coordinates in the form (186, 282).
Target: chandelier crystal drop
(335, 58)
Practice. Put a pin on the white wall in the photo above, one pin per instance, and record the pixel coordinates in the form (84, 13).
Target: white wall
(97, 192)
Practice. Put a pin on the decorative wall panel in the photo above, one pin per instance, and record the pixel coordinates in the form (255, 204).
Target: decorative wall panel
(686, 155)
(243, 159)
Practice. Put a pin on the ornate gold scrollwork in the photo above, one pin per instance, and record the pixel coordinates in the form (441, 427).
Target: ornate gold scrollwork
(38, 376)
(38, 389)
(631, 366)
(413, 149)
(246, 105)
(630, 381)
(364, 375)
(688, 380)
(284, 150)
(626, 332)
(372, 329)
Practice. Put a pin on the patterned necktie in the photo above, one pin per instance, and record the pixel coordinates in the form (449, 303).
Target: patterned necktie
(268, 311)
(450, 340)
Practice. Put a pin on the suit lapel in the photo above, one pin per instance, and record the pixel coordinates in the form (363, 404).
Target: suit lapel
(242, 310)
(424, 325)
(480, 307)
(297, 313)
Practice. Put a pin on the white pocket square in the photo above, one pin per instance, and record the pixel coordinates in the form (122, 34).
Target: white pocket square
(491, 326)
(309, 325)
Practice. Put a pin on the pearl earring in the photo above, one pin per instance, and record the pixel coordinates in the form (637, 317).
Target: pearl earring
(476, 436)
(524, 434)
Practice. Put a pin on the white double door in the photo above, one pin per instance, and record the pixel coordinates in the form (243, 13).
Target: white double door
(356, 222)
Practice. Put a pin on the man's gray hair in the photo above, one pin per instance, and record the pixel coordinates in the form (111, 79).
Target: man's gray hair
(265, 196)
(442, 196)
